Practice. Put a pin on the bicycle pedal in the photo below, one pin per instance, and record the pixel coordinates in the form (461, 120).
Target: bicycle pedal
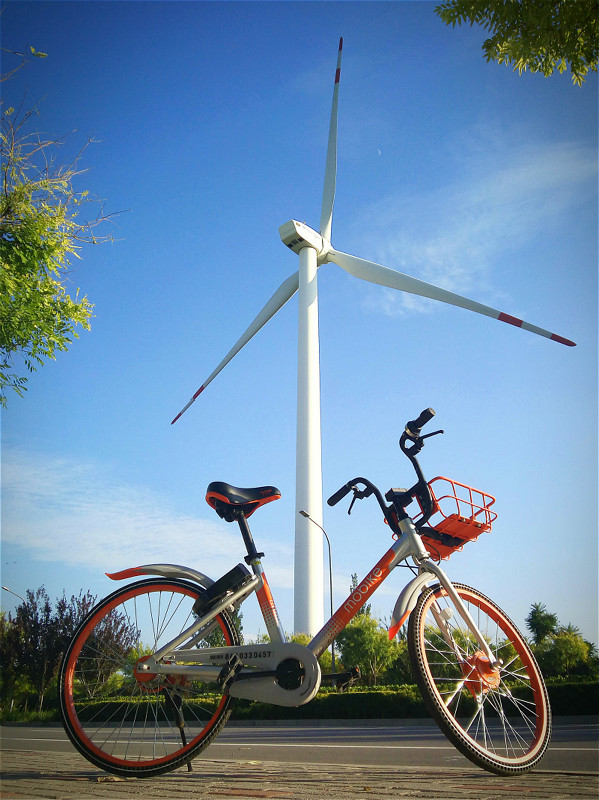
(227, 674)
(348, 678)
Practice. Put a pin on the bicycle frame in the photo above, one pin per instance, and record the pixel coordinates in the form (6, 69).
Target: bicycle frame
(160, 687)
(257, 678)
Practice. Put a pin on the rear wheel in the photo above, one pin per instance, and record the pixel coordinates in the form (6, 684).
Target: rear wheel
(498, 715)
(136, 724)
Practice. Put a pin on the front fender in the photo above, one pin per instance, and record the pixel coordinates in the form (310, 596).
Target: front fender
(165, 570)
(407, 601)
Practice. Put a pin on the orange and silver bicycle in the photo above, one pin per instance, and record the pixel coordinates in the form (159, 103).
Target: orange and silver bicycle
(151, 674)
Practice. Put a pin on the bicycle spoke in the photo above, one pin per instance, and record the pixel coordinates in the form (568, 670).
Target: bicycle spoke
(495, 711)
(129, 721)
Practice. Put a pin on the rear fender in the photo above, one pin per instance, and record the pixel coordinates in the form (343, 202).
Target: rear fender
(165, 570)
(406, 602)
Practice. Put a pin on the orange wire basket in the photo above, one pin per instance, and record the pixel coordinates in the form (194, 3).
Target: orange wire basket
(460, 515)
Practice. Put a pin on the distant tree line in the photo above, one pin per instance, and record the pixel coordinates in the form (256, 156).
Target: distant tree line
(33, 640)
(560, 650)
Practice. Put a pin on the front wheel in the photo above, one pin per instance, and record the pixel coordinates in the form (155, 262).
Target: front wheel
(497, 715)
(132, 724)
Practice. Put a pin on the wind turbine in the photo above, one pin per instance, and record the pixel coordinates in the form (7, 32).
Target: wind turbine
(315, 249)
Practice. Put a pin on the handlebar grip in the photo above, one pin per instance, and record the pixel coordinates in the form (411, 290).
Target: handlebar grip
(340, 494)
(415, 425)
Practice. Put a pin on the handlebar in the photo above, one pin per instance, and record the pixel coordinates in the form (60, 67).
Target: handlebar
(414, 427)
(340, 493)
(411, 443)
(359, 494)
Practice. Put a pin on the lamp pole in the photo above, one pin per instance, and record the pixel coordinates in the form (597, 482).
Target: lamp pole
(305, 514)
(6, 589)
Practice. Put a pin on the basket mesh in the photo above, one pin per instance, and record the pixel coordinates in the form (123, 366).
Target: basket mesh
(460, 512)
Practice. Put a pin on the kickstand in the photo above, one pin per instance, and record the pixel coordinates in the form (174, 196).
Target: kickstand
(175, 703)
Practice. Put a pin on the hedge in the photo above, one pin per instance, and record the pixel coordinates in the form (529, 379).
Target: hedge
(404, 702)
(384, 702)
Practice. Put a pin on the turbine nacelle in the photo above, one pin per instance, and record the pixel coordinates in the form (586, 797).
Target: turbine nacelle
(296, 235)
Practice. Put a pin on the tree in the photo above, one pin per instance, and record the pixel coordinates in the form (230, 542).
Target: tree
(365, 644)
(540, 622)
(114, 639)
(34, 641)
(40, 232)
(563, 653)
(9, 641)
(354, 585)
(400, 670)
(325, 660)
(37, 645)
(538, 35)
(25, 57)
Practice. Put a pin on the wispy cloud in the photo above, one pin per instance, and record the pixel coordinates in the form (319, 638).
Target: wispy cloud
(455, 235)
(78, 514)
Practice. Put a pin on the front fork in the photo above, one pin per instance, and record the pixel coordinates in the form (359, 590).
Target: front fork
(409, 596)
(464, 614)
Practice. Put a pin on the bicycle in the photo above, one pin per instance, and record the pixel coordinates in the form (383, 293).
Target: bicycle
(150, 676)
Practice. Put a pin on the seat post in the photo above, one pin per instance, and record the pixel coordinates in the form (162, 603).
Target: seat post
(248, 539)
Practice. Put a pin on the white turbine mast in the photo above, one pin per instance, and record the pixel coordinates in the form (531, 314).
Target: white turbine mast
(315, 249)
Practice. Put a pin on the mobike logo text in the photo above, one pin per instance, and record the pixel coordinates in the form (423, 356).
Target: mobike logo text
(366, 588)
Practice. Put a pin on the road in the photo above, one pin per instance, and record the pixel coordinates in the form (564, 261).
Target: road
(574, 745)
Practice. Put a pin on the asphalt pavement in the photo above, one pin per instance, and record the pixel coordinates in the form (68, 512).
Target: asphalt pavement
(34, 775)
(32, 769)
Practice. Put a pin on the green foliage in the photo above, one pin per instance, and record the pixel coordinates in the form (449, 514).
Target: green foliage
(37, 237)
(541, 622)
(394, 702)
(325, 660)
(400, 670)
(573, 698)
(33, 642)
(216, 638)
(560, 650)
(535, 35)
(40, 234)
(565, 653)
(385, 702)
(23, 56)
(354, 585)
(365, 644)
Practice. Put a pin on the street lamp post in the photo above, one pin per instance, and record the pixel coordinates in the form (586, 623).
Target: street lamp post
(305, 514)
(6, 589)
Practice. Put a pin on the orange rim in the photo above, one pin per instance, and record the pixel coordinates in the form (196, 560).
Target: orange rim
(70, 670)
(513, 636)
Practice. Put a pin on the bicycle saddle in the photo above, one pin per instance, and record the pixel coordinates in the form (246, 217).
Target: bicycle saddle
(243, 500)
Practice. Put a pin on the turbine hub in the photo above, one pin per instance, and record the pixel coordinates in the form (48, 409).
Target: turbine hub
(296, 236)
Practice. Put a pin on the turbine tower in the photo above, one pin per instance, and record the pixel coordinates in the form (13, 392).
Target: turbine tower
(315, 249)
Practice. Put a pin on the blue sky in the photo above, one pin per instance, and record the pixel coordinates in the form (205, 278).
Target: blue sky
(212, 123)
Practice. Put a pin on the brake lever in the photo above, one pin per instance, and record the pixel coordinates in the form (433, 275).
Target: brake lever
(351, 505)
(428, 435)
(359, 494)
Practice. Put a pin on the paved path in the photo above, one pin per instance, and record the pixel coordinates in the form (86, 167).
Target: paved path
(51, 776)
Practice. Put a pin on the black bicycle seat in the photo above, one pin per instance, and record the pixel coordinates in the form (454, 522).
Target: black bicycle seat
(244, 500)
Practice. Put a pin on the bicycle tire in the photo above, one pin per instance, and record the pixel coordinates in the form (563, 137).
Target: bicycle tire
(500, 719)
(131, 726)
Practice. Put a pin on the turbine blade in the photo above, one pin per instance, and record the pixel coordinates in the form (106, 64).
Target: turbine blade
(330, 172)
(384, 276)
(284, 293)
